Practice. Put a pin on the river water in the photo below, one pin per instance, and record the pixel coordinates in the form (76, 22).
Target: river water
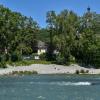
(50, 87)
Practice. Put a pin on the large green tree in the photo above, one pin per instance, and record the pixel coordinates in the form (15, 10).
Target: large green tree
(18, 33)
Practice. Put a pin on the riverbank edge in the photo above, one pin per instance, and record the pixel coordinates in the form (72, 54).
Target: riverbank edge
(48, 69)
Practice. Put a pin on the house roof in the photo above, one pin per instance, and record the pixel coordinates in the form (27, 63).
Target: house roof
(41, 44)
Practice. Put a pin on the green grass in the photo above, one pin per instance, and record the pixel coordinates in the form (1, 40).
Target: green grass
(28, 62)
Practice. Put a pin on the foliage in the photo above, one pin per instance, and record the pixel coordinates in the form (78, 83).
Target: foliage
(82, 71)
(50, 19)
(60, 59)
(17, 32)
(43, 35)
(77, 72)
(14, 57)
(43, 56)
(23, 72)
(76, 38)
(3, 64)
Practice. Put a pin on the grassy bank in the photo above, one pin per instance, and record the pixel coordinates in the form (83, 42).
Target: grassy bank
(28, 62)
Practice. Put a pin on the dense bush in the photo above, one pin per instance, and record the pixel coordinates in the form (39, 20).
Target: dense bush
(2, 62)
(77, 72)
(43, 56)
(15, 57)
(96, 59)
(6, 57)
(72, 59)
(3, 65)
(23, 72)
(82, 71)
(87, 71)
(0, 58)
(59, 59)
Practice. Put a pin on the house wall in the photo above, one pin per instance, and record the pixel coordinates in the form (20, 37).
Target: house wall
(41, 51)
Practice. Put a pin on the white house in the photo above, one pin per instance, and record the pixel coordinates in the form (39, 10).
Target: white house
(42, 48)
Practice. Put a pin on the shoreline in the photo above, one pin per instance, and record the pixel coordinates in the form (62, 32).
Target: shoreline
(49, 69)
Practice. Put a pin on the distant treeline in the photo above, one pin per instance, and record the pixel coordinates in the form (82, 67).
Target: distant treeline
(75, 38)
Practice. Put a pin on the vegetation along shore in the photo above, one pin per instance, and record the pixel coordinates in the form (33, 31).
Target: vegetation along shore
(69, 44)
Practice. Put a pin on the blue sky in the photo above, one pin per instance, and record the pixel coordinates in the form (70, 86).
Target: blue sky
(37, 8)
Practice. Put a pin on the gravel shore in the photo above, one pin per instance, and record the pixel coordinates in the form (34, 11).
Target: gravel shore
(49, 69)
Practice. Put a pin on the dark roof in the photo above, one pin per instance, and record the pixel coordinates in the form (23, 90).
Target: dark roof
(41, 44)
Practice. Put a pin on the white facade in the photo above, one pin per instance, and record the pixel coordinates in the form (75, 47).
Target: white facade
(41, 51)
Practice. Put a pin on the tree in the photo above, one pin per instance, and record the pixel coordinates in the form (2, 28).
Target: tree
(66, 23)
(51, 17)
(16, 32)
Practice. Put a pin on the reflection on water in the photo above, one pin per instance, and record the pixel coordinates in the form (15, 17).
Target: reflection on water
(50, 87)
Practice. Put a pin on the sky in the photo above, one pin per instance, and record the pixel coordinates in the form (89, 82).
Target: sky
(37, 9)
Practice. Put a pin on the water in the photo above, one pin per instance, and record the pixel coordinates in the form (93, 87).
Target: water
(50, 87)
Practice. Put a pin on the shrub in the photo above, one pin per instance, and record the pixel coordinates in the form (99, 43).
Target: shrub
(6, 57)
(77, 72)
(82, 71)
(3, 65)
(0, 58)
(2, 62)
(23, 72)
(43, 56)
(87, 71)
(71, 59)
(60, 59)
(15, 57)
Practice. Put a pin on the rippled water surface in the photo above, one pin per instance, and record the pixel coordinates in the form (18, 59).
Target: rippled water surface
(50, 87)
